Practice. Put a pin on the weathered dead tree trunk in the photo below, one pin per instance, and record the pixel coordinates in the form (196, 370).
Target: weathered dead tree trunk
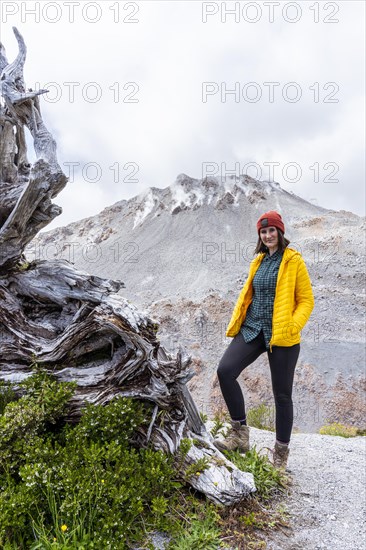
(76, 325)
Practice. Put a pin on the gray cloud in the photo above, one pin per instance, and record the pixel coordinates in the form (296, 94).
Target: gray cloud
(169, 53)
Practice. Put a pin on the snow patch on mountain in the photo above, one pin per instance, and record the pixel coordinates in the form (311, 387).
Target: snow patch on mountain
(187, 193)
(185, 196)
(147, 201)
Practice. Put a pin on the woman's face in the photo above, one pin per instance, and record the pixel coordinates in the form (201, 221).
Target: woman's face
(269, 236)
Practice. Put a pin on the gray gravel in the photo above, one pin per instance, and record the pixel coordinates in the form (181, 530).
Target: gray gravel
(327, 501)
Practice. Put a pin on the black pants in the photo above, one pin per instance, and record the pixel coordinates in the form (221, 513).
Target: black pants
(282, 361)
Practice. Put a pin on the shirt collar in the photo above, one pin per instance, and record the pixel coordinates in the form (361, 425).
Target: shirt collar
(274, 256)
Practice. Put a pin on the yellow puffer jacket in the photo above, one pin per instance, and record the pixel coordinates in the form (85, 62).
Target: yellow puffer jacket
(293, 303)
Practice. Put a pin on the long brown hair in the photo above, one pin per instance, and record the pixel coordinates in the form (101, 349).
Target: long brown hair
(282, 243)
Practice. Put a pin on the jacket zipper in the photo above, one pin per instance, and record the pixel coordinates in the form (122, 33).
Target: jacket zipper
(278, 280)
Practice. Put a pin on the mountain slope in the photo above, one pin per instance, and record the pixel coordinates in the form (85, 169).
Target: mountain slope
(202, 229)
(183, 253)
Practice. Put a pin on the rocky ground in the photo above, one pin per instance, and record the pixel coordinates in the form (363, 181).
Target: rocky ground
(326, 501)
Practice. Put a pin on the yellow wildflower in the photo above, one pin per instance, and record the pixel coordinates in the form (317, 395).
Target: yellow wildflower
(63, 528)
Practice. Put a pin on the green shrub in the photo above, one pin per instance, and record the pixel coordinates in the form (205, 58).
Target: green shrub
(89, 485)
(268, 480)
(196, 468)
(24, 420)
(261, 417)
(221, 417)
(77, 483)
(336, 428)
(7, 395)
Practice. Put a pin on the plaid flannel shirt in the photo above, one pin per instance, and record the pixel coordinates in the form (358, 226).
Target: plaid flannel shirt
(260, 311)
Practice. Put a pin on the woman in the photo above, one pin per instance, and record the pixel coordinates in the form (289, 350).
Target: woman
(273, 307)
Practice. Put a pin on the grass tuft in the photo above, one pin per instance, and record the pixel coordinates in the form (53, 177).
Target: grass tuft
(262, 417)
(342, 430)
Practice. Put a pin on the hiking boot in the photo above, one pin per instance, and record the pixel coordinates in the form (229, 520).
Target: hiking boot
(280, 455)
(237, 438)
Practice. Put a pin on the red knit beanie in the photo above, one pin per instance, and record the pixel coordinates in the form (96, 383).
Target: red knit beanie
(270, 218)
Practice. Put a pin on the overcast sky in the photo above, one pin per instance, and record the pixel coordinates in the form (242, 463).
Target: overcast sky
(139, 92)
